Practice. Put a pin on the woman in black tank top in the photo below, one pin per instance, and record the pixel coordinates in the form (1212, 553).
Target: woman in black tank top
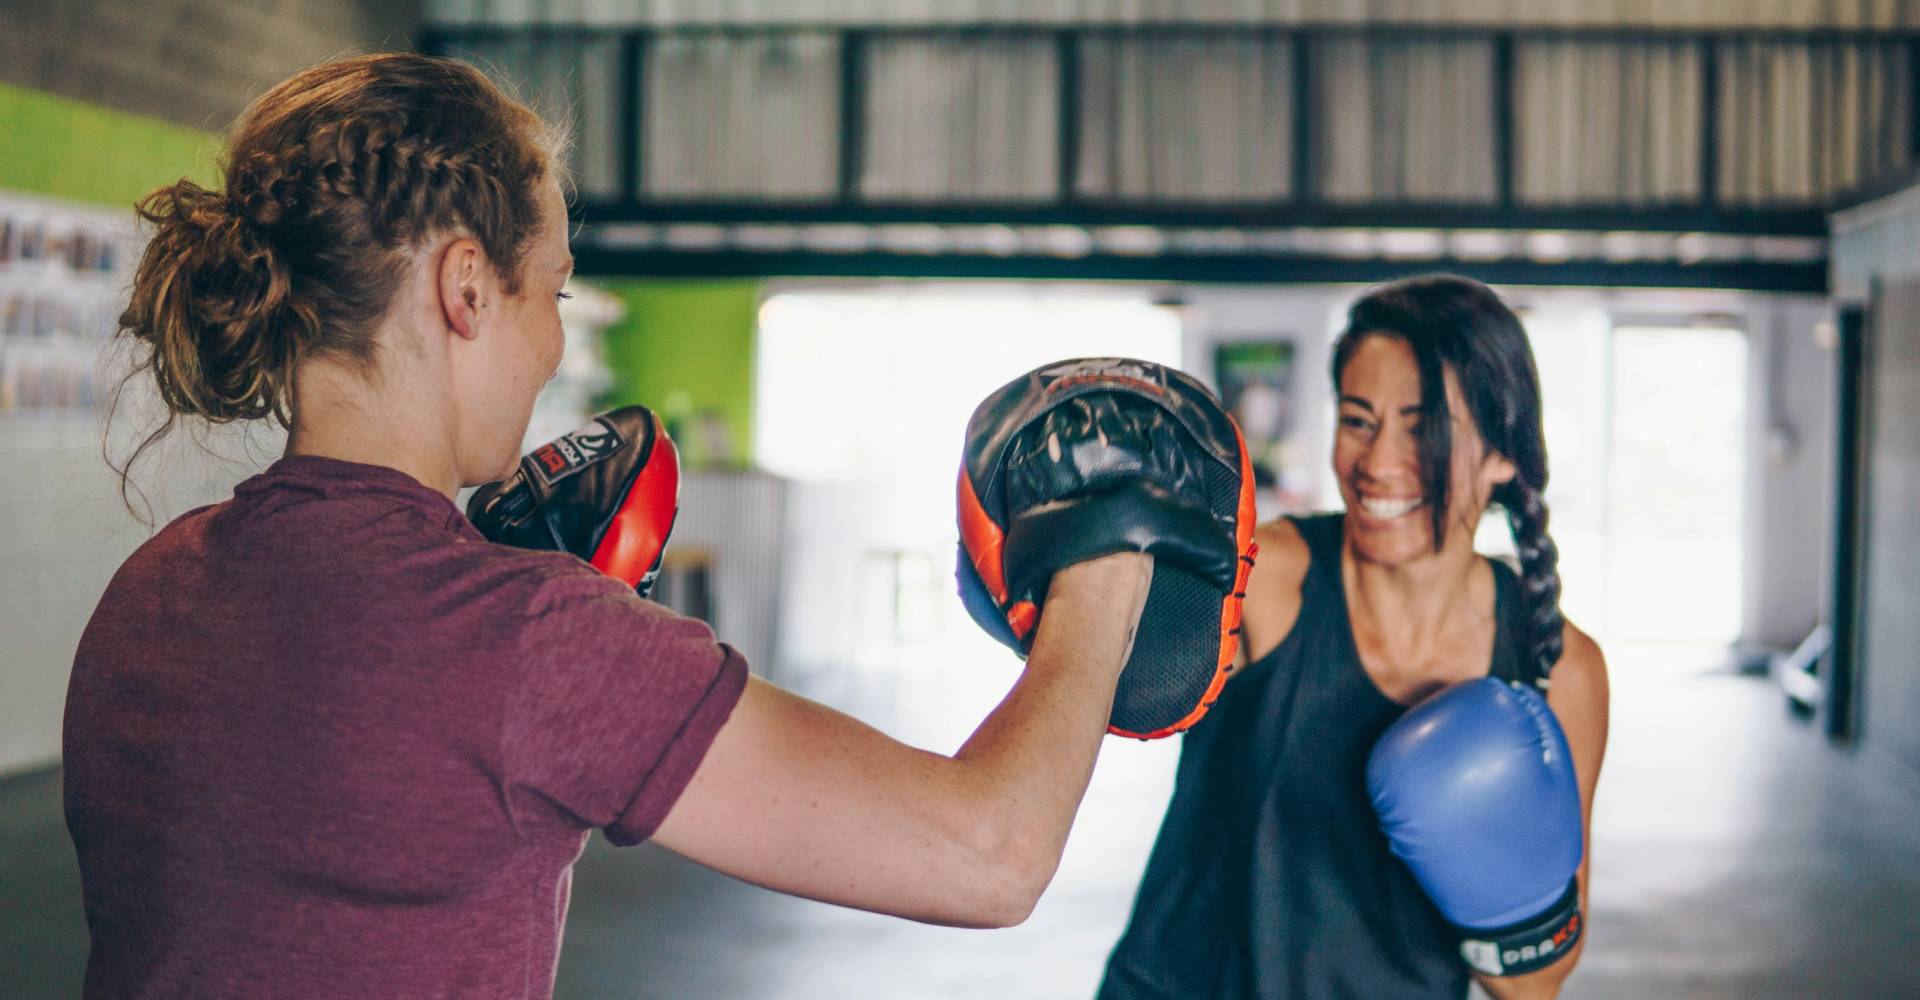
(1270, 877)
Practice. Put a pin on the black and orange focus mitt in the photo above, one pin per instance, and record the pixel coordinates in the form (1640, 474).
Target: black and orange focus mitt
(1085, 458)
(608, 493)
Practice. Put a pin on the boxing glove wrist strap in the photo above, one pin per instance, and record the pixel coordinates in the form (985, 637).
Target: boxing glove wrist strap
(1532, 944)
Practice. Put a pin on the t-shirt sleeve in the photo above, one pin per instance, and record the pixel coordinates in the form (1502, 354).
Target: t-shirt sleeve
(619, 701)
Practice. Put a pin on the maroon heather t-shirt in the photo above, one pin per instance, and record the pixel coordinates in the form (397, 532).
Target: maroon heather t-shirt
(324, 740)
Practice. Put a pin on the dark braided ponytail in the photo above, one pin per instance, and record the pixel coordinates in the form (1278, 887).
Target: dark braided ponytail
(1459, 325)
(333, 179)
(1539, 572)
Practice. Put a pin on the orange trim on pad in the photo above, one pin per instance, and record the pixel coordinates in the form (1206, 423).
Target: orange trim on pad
(983, 540)
(1023, 617)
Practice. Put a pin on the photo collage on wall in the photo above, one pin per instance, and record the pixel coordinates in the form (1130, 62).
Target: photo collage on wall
(64, 273)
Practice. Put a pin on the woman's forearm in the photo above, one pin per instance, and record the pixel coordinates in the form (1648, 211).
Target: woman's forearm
(1034, 754)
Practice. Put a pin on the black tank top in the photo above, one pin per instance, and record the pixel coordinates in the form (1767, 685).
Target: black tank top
(1271, 877)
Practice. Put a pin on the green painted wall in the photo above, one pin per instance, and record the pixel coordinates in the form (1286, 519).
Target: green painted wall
(686, 349)
(71, 149)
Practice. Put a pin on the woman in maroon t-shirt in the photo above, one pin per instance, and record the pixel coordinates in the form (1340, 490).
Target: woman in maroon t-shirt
(323, 739)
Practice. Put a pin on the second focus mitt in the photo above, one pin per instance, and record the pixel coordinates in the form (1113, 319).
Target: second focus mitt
(1085, 458)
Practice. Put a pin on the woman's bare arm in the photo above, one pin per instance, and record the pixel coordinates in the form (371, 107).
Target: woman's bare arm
(803, 799)
(1272, 603)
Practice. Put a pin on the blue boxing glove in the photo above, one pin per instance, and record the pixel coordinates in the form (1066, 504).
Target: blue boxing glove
(1476, 792)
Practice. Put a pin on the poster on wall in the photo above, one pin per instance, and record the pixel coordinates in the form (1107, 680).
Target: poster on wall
(64, 272)
(1256, 385)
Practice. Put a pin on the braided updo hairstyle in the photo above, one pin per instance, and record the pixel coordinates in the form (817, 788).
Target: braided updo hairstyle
(1459, 325)
(331, 179)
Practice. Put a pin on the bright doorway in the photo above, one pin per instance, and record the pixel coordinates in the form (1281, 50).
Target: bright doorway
(1646, 433)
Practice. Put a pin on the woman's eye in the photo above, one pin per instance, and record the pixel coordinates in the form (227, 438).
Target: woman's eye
(563, 296)
(1356, 423)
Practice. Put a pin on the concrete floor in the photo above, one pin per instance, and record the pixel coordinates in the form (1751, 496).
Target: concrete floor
(1734, 856)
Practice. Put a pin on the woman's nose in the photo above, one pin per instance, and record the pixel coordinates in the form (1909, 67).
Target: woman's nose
(1389, 456)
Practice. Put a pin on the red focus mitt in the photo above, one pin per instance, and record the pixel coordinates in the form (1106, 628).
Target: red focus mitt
(608, 493)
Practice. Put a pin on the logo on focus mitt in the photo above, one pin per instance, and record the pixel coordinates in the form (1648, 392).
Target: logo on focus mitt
(608, 493)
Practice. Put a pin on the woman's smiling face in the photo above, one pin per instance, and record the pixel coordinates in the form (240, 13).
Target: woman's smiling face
(1376, 457)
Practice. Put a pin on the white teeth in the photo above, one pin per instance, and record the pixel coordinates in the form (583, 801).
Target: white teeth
(1383, 508)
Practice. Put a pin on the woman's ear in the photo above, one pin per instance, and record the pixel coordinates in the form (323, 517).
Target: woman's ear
(462, 286)
(1497, 470)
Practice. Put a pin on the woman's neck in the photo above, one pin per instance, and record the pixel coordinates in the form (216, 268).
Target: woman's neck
(1415, 605)
(343, 414)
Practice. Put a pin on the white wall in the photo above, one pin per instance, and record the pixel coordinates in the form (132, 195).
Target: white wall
(1876, 260)
(1879, 240)
(1790, 432)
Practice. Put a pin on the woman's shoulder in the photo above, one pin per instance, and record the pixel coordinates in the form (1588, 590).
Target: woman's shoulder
(1284, 552)
(1580, 696)
(1582, 667)
(541, 583)
(1287, 547)
(1274, 588)
(1580, 691)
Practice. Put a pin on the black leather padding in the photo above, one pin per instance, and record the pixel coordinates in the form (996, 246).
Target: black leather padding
(1129, 516)
(1169, 670)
